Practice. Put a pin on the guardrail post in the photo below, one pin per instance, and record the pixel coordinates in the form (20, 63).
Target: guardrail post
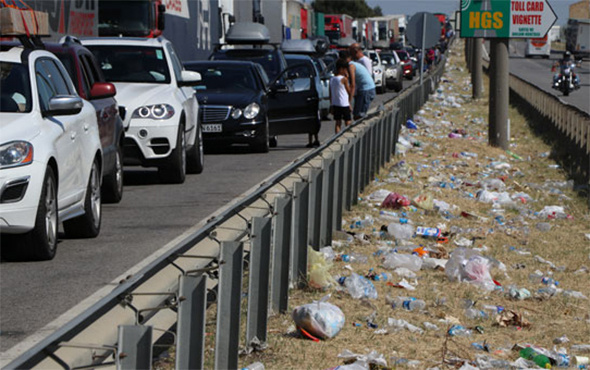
(383, 139)
(259, 277)
(227, 339)
(327, 203)
(190, 330)
(134, 347)
(299, 233)
(315, 207)
(366, 159)
(347, 175)
(279, 293)
(356, 172)
(338, 190)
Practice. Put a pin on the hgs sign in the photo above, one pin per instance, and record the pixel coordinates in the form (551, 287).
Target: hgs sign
(506, 18)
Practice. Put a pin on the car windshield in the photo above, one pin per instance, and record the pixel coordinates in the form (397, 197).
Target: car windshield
(224, 78)
(15, 95)
(387, 59)
(266, 58)
(132, 63)
(130, 18)
(403, 56)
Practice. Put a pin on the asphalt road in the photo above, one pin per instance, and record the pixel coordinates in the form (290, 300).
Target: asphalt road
(150, 215)
(538, 72)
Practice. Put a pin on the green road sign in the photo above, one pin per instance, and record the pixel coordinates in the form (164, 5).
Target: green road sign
(506, 18)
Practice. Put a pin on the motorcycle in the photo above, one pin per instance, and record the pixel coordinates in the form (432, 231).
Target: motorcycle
(566, 80)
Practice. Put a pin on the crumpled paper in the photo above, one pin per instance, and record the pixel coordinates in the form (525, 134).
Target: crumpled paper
(512, 318)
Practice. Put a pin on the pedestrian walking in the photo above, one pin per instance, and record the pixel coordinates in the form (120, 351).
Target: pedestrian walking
(340, 95)
(362, 85)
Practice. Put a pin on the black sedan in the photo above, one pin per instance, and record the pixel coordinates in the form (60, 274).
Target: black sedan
(233, 103)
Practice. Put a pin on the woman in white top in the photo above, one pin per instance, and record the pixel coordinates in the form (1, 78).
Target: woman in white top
(340, 93)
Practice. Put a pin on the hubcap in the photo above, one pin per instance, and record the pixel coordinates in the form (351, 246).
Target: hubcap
(95, 195)
(50, 213)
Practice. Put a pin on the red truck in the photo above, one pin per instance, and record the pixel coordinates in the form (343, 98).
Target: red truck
(336, 27)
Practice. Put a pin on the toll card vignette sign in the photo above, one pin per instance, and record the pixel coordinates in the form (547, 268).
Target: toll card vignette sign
(506, 18)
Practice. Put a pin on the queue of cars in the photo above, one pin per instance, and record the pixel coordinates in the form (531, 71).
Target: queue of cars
(74, 112)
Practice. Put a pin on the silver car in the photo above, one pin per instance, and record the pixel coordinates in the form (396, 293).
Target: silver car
(394, 76)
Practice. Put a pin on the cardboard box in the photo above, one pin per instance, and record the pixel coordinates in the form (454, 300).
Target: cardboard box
(12, 22)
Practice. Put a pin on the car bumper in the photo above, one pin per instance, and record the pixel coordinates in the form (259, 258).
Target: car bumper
(20, 189)
(235, 133)
(151, 140)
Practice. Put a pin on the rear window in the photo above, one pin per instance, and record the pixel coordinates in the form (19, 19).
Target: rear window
(268, 59)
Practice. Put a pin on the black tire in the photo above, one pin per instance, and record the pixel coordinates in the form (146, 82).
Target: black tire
(195, 158)
(112, 184)
(39, 244)
(261, 142)
(174, 172)
(88, 225)
(273, 141)
(399, 86)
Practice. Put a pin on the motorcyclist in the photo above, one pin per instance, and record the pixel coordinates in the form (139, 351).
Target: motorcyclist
(563, 63)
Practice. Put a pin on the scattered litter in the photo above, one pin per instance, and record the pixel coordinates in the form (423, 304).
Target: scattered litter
(398, 260)
(512, 318)
(399, 324)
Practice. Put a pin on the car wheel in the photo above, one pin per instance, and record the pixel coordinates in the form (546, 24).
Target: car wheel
(88, 225)
(399, 86)
(174, 172)
(261, 142)
(273, 141)
(195, 159)
(39, 244)
(112, 186)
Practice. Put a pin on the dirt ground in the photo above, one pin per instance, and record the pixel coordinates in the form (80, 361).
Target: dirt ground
(514, 235)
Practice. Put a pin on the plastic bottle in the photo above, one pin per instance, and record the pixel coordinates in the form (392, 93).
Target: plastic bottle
(492, 308)
(254, 366)
(541, 360)
(355, 258)
(459, 331)
(536, 277)
(383, 276)
(474, 313)
(580, 348)
(408, 303)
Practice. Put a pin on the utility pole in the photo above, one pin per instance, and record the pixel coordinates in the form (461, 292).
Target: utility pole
(499, 93)
(476, 71)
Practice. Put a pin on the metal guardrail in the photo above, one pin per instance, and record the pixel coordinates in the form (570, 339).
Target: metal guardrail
(268, 229)
(570, 120)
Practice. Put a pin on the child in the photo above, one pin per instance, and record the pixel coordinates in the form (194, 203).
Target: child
(340, 93)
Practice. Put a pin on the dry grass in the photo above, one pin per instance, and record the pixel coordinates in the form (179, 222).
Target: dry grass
(565, 245)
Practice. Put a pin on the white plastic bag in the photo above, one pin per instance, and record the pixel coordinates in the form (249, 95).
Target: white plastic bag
(320, 318)
(409, 261)
(468, 265)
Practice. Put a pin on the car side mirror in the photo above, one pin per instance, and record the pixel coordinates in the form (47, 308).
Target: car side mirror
(64, 105)
(102, 90)
(189, 78)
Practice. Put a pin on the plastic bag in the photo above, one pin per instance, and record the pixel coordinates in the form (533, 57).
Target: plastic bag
(403, 324)
(394, 260)
(371, 358)
(468, 265)
(379, 195)
(395, 201)
(424, 201)
(320, 318)
(360, 287)
(319, 270)
(400, 231)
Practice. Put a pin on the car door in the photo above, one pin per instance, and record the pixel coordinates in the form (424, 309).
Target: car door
(293, 102)
(51, 82)
(186, 94)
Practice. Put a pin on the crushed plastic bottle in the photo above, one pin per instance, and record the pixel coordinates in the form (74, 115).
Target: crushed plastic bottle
(537, 277)
(541, 360)
(354, 257)
(360, 287)
(459, 331)
(474, 313)
(408, 303)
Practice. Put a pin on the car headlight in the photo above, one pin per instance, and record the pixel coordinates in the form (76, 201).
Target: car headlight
(236, 113)
(156, 111)
(251, 111)
(16, 153)
(378, 71)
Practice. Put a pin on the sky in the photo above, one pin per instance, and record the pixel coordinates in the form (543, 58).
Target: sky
(409, 7)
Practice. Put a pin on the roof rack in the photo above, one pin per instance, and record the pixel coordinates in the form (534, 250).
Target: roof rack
(28, 41)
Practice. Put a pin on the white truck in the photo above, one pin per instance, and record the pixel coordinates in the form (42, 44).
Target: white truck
(538, 47)
(577, 36)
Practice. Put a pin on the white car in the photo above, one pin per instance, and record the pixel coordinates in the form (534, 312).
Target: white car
(50, 156)
(378, 71)
(160, 106)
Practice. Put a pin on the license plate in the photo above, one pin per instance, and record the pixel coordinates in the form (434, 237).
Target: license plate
(213, 127)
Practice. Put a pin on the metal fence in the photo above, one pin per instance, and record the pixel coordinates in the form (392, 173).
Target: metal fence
(268, 230)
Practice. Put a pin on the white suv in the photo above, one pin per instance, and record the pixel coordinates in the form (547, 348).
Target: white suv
(50, 156)
(160, 107)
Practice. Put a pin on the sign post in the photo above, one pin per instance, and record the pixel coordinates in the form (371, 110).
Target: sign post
(423, 29)
(500, 20)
